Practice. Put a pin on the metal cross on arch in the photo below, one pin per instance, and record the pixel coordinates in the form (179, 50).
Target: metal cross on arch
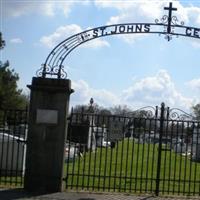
(170, 8)
(168, 26)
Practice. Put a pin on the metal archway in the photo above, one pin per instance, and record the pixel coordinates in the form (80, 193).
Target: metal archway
(168, 26)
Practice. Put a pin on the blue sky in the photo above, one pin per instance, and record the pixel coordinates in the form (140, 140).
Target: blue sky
(133, 70)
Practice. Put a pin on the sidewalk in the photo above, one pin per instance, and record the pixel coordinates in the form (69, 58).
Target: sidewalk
(11, 194)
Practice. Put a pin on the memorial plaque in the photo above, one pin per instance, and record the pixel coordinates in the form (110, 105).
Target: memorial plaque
(45, 116)
(78, 132)
(115, 131)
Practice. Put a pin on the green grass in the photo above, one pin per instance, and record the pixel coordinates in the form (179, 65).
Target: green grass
(11, 181)
(132, 167)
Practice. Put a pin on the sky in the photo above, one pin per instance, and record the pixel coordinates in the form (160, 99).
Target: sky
(135, 70)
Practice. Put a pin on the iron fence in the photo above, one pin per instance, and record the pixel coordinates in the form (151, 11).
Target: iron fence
(151, 151)
(13, 132)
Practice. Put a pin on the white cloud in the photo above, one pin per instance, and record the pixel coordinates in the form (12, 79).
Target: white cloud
(64, 32)
(83, 92)
(46, 8)
(147, 11)
(97, 43)
(16, 41)
(147, 91)
(194, 84)
(140, 11)
(60, 34)
(195, 43)
(156, 89)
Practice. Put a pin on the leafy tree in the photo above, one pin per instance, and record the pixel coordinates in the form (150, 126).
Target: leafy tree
(120, 110)
(10, 96)
(2, 42)
(196, 111)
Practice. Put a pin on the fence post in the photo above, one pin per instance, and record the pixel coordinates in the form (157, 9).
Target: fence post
(160, 148)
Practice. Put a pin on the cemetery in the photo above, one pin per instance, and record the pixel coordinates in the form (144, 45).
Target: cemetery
(154, 149)
(12, 151)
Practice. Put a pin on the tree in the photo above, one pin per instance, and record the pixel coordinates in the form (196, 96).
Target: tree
(120, 110)
(10, 96)
(2, 42)
(196, 111)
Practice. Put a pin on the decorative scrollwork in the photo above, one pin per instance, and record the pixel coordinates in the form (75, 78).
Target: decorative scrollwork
(175, 21)
(178, 114)
(169, 24)
(163, 20)
(144, 112)
(39, 71)
(63, 73)
(57, 71)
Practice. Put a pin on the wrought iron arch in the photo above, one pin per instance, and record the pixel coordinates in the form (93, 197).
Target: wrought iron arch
(168, 26)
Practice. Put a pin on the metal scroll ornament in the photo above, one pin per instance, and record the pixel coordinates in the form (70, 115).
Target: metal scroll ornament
(178, 114)
(145, 112)
(57, 71)
(164, 21)
(174, 22)
(169, 22)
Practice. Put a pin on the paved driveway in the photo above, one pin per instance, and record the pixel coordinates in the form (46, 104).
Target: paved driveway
(20, 194)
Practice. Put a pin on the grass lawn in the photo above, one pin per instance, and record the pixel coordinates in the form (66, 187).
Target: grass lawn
(11, 182)
(132, 167)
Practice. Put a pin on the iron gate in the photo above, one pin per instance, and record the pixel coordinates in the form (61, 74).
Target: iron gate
(13, 131)
(154, 150)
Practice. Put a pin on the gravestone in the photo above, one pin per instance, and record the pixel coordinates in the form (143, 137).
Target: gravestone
(78, 132)
(115, 131)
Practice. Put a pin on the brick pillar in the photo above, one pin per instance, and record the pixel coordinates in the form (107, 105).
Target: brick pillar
(47, 129)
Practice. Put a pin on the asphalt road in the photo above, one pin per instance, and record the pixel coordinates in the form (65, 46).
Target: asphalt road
(11, 194)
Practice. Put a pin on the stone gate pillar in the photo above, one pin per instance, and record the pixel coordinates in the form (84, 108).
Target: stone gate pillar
(47, 129)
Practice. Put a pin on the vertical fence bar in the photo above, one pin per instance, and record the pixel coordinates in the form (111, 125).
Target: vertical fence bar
(68, 146)
(18, 147)
(13, 121)
(186, 157)
(73, 160)
(160, 148)
(111, 156)
(95, 155)
(121, 163)
(175, 162)
(127, 156)
(100, 163)
(79, 159)
(154, 144)
(170, 155)
(19, 120)
(181, 159)
(148, 152)
(195, 170)
(143, 150)
(2, 149)
(190, 173)
(105, 160)
(116, 163)
(132, 156)
(137, 161)
(92, 126)
(166, 131)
